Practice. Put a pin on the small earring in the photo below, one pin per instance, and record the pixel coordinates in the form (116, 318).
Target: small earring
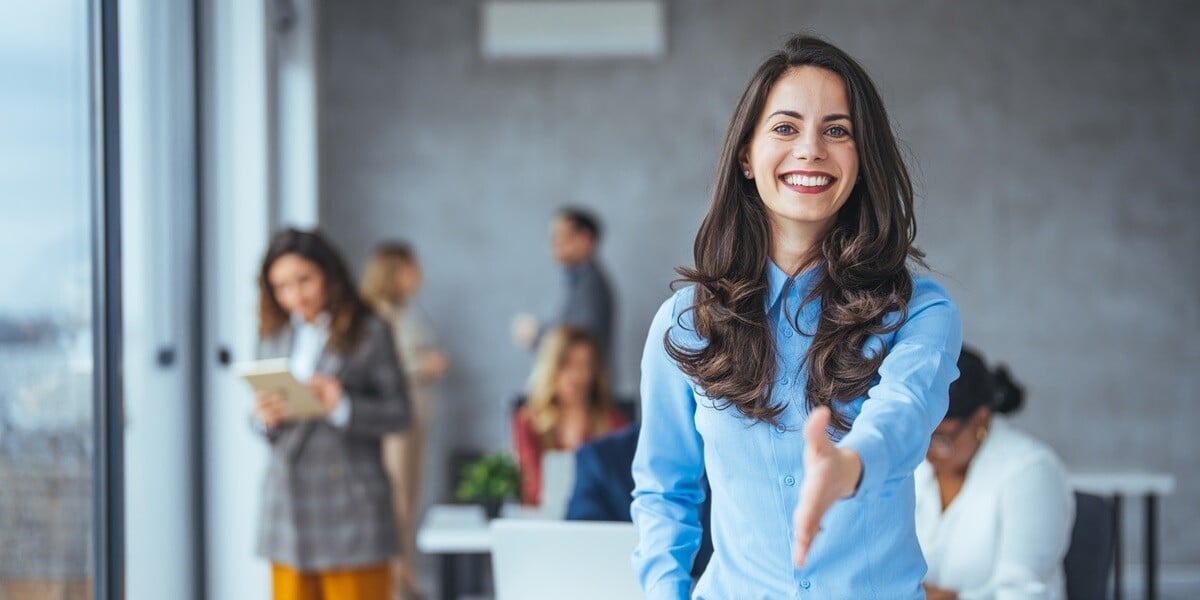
(746, 173)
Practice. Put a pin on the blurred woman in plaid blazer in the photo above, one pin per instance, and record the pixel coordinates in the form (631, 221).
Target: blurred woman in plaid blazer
(327, 524)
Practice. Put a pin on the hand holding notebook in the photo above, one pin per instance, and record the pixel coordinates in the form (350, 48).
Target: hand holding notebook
(272, 376)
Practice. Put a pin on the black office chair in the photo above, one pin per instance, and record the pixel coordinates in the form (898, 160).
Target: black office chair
(1090, 555)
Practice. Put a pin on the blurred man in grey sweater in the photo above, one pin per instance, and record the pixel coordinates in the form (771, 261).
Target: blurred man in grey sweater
(587, 299)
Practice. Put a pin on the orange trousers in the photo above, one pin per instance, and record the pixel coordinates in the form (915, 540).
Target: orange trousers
(364, 583)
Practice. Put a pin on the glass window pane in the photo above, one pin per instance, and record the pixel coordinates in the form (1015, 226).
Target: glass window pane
(46, 383)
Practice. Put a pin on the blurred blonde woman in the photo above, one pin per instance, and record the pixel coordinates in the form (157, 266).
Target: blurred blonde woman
(393, 277)
(568, 403)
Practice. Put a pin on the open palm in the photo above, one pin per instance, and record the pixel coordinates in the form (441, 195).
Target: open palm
(830, 473)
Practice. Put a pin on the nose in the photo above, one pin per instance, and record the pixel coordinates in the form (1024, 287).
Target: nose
(809, 145)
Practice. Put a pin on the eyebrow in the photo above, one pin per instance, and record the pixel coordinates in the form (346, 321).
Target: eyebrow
(795, 115)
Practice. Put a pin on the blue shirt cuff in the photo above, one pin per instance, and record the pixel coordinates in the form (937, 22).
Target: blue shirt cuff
(872, 451)
(670, 589)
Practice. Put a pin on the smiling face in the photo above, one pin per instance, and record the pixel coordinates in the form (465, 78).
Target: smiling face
(577, 374)
(802, 156)
(298, 285)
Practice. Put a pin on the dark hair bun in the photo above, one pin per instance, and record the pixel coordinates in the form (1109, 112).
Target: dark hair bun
(1008, 395)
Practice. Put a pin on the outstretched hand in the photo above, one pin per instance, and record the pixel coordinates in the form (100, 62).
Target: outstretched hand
(830, 474)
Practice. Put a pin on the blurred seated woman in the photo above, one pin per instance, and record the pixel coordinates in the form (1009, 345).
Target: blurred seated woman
(568, 403)
(994, 509)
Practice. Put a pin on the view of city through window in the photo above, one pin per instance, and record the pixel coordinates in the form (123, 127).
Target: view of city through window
(46, 301)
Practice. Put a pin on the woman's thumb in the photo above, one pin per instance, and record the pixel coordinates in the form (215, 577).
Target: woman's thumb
(815, 429)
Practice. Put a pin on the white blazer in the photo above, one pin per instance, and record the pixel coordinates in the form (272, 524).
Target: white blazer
(1005, 535)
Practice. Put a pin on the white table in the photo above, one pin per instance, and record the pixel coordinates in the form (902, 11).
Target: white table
(1117, 485)
(455, 530)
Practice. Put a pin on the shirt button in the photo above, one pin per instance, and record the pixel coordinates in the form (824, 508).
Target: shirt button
(784, 381)
(789, 480)
(781, 428)
(787, 332)
(804, 583)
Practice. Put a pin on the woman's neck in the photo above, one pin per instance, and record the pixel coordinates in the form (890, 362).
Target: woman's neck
(949, 486)
(794, 245)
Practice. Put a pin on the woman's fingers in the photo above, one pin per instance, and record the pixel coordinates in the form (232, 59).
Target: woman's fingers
(270, 408)
(815, 436)
(807, 524)
(328, 390)
(270, 414)
(265, 401)
(816, 492)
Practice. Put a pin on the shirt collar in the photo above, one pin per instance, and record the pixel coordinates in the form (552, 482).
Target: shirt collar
(320, 322)
(777, 280)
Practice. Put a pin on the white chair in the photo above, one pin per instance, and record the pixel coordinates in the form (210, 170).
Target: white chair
(558, 481)
(553, 560)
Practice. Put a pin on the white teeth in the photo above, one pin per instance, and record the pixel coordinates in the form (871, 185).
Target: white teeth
(807, 180)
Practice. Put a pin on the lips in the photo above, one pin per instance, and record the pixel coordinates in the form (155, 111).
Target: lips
(808, 182)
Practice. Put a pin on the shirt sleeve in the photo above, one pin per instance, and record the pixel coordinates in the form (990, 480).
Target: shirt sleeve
(901, 411)
(340, 416)
(1037, 510)
(668, 471)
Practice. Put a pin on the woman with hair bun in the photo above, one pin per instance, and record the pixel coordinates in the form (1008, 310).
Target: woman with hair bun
(994, 507)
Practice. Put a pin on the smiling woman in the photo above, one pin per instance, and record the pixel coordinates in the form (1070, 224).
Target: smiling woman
(802, 157)
(803, 317)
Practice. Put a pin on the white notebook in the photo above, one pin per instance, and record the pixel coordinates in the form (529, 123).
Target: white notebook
(273, 375)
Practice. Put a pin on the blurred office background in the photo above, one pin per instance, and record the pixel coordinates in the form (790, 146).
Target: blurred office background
(1055, 148)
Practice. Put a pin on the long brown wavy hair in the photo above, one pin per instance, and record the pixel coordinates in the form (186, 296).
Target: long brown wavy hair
(346, 309)
(862, 260)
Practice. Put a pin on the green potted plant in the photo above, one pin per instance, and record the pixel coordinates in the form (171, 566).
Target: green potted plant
(488, 481)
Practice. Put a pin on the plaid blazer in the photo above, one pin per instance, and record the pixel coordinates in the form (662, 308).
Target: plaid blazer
(326, 500)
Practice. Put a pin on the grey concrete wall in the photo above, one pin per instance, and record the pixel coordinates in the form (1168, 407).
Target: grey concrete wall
(1055, 148)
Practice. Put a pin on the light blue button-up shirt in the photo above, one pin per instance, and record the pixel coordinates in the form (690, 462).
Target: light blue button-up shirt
(868, 545)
